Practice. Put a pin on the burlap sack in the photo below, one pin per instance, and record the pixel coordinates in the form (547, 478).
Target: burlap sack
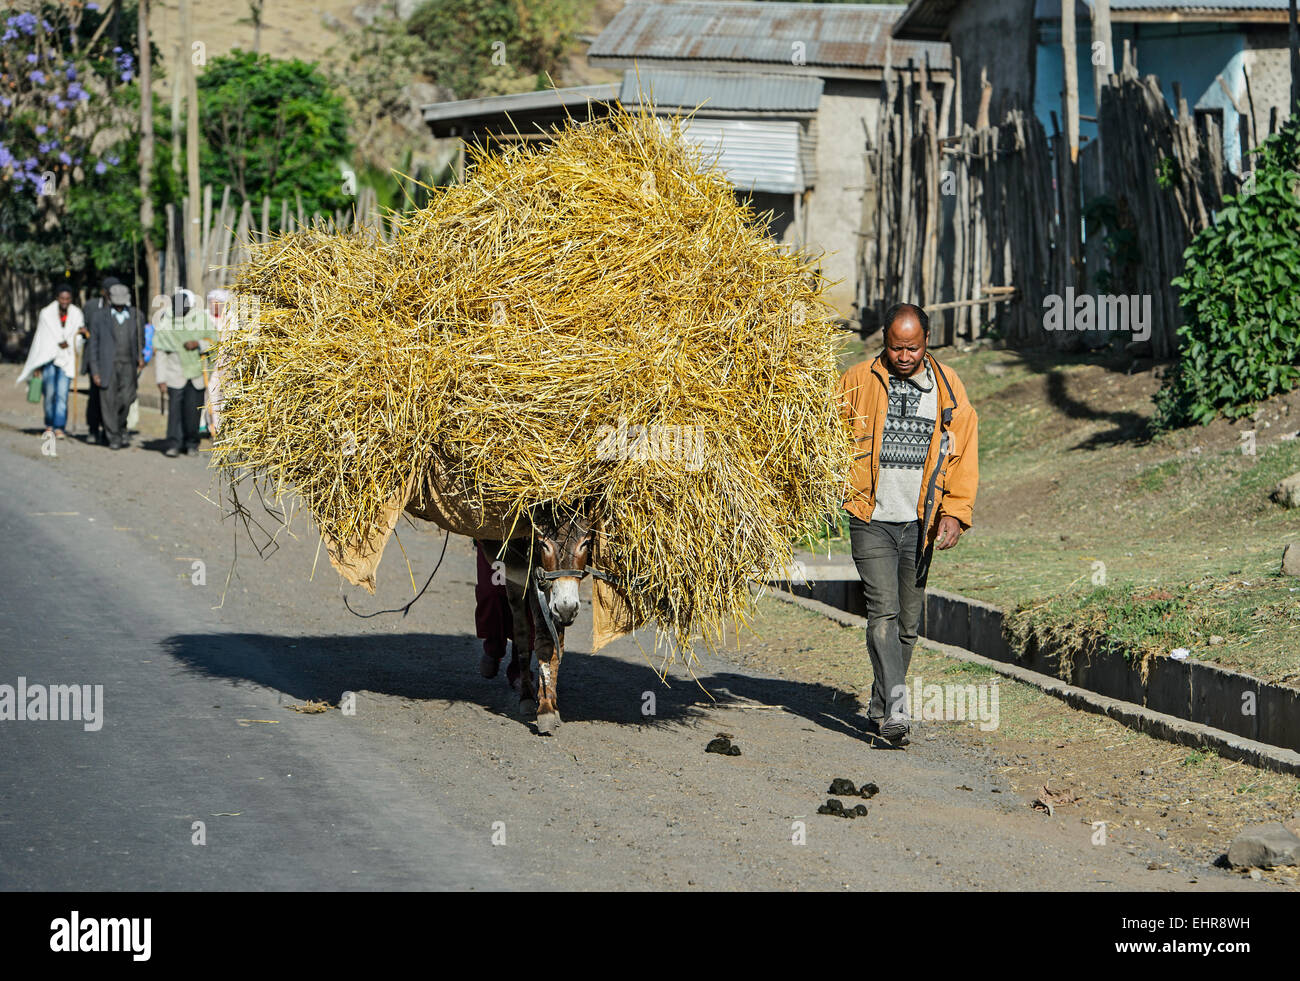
(435, 497)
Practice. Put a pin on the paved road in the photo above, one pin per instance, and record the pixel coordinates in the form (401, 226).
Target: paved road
(408, 793)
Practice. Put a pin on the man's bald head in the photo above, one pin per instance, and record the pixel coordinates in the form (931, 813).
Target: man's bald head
(907, 329)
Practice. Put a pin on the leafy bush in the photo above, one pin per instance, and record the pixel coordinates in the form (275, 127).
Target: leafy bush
(1241, 294)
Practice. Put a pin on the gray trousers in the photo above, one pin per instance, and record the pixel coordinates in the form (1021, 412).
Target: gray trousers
(115, 399)
(885, 554)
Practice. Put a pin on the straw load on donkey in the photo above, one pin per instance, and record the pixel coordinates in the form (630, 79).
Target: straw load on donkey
(589, 347)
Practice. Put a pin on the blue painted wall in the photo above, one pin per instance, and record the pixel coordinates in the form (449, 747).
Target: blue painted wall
(1190, 54)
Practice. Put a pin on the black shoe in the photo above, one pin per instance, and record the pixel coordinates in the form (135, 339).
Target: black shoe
(192, 448)
(896, 730)
(115, 445)
(872, 727)
(171, 451)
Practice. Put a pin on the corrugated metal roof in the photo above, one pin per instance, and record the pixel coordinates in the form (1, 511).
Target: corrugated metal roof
(522, 102)
(1202, 5)
(852, 36)
(1051, 9)
(929, 19)
(755, 154)
(729, 91)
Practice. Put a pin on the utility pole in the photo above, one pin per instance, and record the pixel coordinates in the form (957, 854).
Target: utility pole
(145, 59)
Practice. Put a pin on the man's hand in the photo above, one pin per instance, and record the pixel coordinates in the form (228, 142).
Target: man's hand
(84, 332)
(95, 379)
(191, 345)
(63, 343)
(139, 365)
(162, 388)
(949, 533)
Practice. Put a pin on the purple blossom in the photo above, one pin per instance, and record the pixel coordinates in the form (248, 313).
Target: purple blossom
(30, 163)
(9, 35)
(66, 157)
(37, 77)
(100, 167)
(6, 101)
(41, 129)
(45, 147)
(127, 76)
(31, 58)
(6, 158)
(92, 6)
(113, 159)
(71, 73)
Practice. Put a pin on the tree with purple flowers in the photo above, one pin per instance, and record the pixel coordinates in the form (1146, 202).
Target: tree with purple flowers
(69, 196)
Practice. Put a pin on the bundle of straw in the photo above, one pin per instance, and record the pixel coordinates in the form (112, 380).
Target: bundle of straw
(597, 320)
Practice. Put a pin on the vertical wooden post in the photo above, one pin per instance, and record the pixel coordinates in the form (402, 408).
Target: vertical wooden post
(1070, 51)
(145, 59)
(193, 262)
(1101, 33)
(1293, 42)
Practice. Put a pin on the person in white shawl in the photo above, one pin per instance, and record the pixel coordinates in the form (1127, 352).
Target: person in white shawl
(58, 340)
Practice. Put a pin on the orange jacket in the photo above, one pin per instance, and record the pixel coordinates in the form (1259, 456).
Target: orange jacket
(951, 474)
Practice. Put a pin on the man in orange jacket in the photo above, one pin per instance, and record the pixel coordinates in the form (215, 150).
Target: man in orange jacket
(911, 489)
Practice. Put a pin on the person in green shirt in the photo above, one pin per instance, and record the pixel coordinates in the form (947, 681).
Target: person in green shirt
(183, 335)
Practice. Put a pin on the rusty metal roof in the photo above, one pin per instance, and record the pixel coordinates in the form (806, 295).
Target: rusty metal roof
(844, 37)
(929, 19)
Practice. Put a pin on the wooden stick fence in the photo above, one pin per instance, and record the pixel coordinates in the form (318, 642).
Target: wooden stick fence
(984, 222)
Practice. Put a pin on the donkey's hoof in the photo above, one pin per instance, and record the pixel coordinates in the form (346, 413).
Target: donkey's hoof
(548, 723)
(527, 708)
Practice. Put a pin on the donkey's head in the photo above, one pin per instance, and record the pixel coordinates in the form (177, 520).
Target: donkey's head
(562, 546)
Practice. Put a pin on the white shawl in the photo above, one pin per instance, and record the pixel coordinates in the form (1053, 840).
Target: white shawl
(50, 333)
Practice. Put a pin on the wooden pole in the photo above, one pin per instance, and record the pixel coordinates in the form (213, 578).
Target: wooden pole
(1070, 50)
(193, 272)
(1293, 42)
(1101, 33)
(146, 152)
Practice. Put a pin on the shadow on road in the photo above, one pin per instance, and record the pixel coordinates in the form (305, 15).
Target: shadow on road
(442, 667)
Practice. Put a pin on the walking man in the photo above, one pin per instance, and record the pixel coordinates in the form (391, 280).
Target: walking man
(94, 417)
(116, 357)
(183, 335)
(911, 489)
(53, 354)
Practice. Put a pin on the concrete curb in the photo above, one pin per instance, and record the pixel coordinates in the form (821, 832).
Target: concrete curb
(1182, 731)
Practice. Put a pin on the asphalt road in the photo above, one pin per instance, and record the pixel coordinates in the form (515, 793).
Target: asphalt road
(412, 791)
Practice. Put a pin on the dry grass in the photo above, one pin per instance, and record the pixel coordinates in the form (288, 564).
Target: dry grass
(509, 330)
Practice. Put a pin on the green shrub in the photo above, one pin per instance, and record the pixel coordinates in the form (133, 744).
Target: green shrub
(1241, 294)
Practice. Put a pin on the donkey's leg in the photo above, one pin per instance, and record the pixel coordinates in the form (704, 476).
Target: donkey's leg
(548, 670)
(515, 594)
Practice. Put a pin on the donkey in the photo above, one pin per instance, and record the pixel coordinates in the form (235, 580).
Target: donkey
(542, 573)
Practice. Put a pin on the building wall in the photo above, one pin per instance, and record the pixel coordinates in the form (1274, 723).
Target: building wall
(997, 35)
(834, 210)
(1269, 65)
